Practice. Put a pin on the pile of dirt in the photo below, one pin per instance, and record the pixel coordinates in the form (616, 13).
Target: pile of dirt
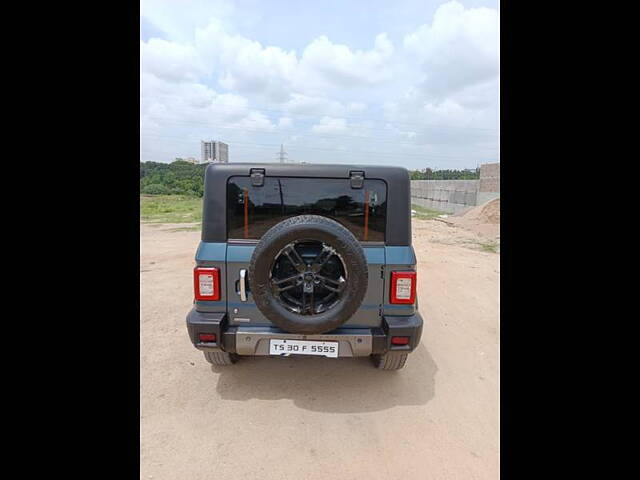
(483, 219)
(487, 213)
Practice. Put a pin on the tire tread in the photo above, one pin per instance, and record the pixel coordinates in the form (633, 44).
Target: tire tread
(220, 358)
(391, 360)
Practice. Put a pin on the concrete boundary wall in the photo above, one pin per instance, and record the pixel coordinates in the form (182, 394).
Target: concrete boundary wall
(451, 196)
(489, 183)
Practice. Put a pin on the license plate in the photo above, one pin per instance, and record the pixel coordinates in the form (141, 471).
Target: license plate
(303, 347)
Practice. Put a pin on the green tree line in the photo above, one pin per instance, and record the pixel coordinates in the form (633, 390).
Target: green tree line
(176, 178)
(428, 174)
(184, 178)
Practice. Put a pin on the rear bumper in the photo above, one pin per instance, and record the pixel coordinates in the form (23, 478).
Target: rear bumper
(254, 340)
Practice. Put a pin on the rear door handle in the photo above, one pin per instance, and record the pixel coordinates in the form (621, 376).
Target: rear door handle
(243, 286)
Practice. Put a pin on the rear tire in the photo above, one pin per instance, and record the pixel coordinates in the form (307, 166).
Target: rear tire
(220, 358)
(390, 360)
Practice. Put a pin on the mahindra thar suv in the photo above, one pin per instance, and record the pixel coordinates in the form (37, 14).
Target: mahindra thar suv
(305, 259)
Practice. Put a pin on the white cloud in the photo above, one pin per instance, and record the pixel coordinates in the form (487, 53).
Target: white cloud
(179, 19)
(356, 106)
(190, 101)
(245, 65)
(285, 122)
(480, 96)
(310, 105)
(179, 115)
(460, 48)
(210, 77)
(339, 65)
(330, 125)
(254, 121)
(170, 60)
(453, 102)
(249, 67)
(437, 116)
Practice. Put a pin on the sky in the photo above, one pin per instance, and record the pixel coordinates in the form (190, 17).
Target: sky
(411, 83)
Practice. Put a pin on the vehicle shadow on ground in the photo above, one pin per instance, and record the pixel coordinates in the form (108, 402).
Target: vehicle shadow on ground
(344, 385)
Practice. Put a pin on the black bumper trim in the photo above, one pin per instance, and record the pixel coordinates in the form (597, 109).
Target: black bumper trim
(402, 327)
(207, 322)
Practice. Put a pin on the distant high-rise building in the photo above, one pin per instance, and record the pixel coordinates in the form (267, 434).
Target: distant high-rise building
(213, 151)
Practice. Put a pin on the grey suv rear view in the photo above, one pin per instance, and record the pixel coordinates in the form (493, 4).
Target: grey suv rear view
(302, 259)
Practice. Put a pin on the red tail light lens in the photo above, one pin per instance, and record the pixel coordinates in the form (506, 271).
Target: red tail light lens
(403, 287)
(400, 340)
(207, 337)
(206, 283)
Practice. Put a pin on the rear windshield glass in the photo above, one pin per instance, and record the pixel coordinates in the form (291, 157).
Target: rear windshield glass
(251, 211)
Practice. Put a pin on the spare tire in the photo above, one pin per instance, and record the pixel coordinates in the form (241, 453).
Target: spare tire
(308, 274)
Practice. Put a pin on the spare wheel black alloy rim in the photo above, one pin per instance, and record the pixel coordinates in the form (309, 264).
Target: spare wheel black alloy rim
(308, 277)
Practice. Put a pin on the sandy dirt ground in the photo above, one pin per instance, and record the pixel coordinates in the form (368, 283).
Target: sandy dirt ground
(319, 418)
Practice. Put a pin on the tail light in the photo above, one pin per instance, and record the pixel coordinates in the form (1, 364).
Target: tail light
(206, 283)
(403, 287)
(207, 337)
(399, 340)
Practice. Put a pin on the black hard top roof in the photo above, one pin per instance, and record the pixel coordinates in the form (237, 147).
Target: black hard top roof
(214, 222)
(310, 169)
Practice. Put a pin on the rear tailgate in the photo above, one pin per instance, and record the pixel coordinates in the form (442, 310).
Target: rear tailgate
(257, 203)
(246, 313)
